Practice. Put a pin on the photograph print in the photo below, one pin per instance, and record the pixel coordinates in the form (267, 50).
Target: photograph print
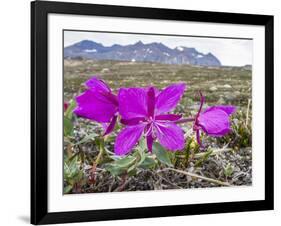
(147, 112)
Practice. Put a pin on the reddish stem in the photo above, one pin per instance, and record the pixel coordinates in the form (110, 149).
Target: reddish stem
(185, 120)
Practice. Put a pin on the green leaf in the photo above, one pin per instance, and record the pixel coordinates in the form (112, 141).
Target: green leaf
(188, 149)
(87, 138)
(200, 161)
(67, 127)
(66, 170)
(115, 170)
(125, 162)
(72, 173)
(161, 154)
(228, 170)
(142, 145)
(140, 153)
(142, 157)
(148, 163)
(132, 170)
(121, 166)
(67, 189)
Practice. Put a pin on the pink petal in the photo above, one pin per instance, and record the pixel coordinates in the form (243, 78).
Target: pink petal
(132, 102)
(111, 125)
(168, 117)
(95, 106)
(229, 109)
(169, 98)
(127, 139)
(156, 91)
(132, 121)
(109, 97)
(151, 101)
(65, 106)
(170, 136)
(97, 85)
(214, 122)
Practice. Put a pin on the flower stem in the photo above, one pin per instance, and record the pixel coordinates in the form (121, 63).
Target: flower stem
(199, 176)
(214, 152)
(101, 151)
(185, 120)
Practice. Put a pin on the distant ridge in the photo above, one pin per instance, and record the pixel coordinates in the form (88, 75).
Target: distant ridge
(140, 52)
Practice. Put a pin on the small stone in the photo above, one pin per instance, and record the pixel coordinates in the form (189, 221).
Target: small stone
(105, 70)
(213, 88)
(227, 86)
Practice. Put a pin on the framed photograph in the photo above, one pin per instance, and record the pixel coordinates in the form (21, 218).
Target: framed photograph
(145, 112)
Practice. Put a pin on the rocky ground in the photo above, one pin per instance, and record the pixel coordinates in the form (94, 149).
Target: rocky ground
(230, 159)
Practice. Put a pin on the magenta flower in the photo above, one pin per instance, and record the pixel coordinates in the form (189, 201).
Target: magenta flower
(98, 103)
(142, 111)
(65, 105)
(214, 121)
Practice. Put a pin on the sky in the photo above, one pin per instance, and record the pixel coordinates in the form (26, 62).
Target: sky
(231, 52)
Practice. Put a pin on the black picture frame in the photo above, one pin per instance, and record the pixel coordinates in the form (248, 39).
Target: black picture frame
(39, 112)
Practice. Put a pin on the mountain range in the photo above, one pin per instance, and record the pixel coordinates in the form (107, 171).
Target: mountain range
(140, 52)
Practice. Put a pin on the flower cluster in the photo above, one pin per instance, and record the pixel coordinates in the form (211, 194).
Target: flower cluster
(145, 112)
